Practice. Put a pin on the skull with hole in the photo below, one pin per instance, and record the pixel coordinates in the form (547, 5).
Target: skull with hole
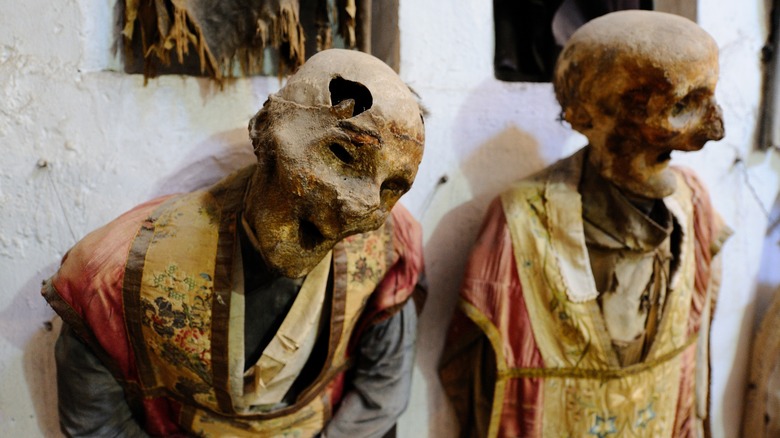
(639, 85)
(337, 146)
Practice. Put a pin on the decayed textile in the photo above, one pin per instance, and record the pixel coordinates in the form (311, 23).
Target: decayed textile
(221, 34)
(630, 255)
(529, 353)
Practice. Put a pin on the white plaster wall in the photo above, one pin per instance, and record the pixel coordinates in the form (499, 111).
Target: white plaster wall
(81, 144)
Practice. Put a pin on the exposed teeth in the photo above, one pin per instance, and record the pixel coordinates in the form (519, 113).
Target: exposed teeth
(309, 235)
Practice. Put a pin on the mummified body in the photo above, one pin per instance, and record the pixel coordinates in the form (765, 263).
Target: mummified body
(586, 303)
(267, 304)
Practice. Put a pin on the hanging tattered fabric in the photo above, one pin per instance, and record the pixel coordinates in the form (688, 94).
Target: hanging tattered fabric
(219, 34)
(355, 23)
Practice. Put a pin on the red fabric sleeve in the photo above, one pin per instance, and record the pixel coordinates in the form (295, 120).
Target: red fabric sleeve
(492, 285)
(90, 281)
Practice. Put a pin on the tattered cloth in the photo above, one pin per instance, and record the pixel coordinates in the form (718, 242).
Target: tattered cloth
(229, 31)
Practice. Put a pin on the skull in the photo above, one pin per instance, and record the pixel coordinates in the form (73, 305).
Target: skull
(639, 85)
(337, 146)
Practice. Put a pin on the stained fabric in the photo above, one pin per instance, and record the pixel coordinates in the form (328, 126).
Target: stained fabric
(228, 36)
(629, 246)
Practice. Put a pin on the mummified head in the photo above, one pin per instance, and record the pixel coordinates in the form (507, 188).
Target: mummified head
(640, 84)
(337, 146)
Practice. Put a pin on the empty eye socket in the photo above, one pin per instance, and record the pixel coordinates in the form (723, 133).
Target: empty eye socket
(679, 107)
(685, 103)
(695, 97)
(341, 153)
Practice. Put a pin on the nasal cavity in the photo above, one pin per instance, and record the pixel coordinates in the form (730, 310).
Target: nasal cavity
(342, 89)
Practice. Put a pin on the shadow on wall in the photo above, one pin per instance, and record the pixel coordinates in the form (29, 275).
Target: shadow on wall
(26, 323)
(208, 162)
(200, 166)
(735, 383)
(41, 374)
(762, 366)
(769, 275)
(490, 168)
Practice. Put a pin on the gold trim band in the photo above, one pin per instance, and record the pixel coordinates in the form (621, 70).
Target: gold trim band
(603, 374)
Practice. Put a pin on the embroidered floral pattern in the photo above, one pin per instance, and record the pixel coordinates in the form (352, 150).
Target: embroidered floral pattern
(645, 416)
(623, 407)
(603, 427)
(367, 267)
(362, 270)
(178, 315)
(371, 247)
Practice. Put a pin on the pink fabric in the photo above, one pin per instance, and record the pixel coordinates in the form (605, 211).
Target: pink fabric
(492, 285)
(705, 225)
(90, 280)
(684, 425)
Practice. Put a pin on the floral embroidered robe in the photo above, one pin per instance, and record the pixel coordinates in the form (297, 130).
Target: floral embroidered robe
(150, 294)
(528, 354)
